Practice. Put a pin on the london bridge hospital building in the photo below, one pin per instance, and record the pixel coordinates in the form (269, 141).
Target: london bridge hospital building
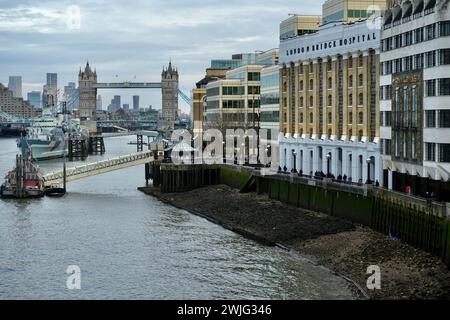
(329, 102)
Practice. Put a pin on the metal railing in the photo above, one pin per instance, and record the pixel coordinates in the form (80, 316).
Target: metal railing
(99, 167)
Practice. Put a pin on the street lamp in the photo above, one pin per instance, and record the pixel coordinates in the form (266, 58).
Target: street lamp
(328, 164)
(369, 161)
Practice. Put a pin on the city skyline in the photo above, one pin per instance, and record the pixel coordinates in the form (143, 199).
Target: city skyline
(45, 43)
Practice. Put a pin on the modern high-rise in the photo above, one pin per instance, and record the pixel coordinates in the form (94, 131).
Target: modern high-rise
(350, 10)
(15, 85)
(135, 103)
(415, 97)
(15, 106)
(34, 98)
(329, 104)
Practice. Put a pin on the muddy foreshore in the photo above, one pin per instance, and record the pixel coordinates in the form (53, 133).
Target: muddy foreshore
(345, 248)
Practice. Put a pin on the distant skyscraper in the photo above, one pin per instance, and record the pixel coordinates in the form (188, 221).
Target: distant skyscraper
(34, 98)
(50, 91)
(136, 103)
(15, 85)
(52, 79)
(99, 102)
(126, 107)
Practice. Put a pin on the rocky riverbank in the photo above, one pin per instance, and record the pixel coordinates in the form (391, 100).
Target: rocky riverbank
(345, 248)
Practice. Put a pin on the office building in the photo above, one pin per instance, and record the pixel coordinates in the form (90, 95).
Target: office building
(298, 25)
(270, 112)
(136, 103)
(99, 102)
(15, 85)
(34, 98)
(350, 10)
(415, 98)
(15, 106)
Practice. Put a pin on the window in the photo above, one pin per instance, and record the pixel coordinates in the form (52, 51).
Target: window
(414, 115)
(350, 99)
(431, 59)
(361, 99)
(413, 145)
(419, 35)
(330, 117)
(301, 117)
(301, 85)
(330, 83)
(350, 81)
(431, 31)
(444, 56)
(444, 152)
(388, 115)
(330, 100)
(430, 152)
(388, 147)
(254, 90)
(254, 76)
(311, 84)
(444, 28)
(431, 88)
(311, 101)
(444, 119)
(361, 80)
(360, 61)
(397, 144)
(430, 118)
(232, 91)
(361, 118)
(302, 102)
(444, 87)
(311, 118)
(350, 118)
(350, 62)
(405, 106)
(405, 145)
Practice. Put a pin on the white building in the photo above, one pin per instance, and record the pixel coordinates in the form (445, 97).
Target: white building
(329, 110)
(415, 97)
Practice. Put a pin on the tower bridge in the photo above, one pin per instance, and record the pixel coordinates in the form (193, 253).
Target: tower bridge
(88, 86)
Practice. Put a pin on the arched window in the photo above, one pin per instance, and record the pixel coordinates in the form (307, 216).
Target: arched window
(311, 118)
(361, 118)
(302, 102)
(330, 100)
(350, 81)
(301, 117)
(330, 83)
(301, 85)
(361, 99)
(330, 117)
(361, 80)
(329, 65)
(311, 101)
(350, 99)
(360, 60)
(350, 117)
(360, 135)
(311, 84)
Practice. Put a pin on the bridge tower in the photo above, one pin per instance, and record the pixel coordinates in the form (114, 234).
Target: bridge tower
(87, 80)
(169, 85)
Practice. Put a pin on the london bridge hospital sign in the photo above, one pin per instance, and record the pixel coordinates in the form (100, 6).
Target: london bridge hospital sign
(330, 40)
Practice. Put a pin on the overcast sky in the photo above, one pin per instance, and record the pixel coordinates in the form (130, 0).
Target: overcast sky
(132, 40)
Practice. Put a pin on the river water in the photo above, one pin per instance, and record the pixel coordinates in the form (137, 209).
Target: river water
(131, 246)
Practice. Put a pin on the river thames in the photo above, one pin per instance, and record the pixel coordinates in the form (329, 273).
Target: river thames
(131, 246)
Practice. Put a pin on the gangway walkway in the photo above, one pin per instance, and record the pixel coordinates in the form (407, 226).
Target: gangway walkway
(56, 178)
